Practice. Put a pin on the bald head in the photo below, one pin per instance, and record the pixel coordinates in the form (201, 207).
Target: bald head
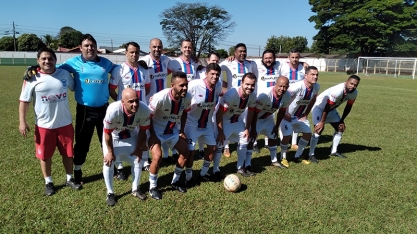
(283, 79)
(130, 100)
(281, 86)
(129, 93)
(155, 45)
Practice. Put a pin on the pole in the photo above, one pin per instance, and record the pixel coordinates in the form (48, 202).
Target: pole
(14, 36)
(112, 45)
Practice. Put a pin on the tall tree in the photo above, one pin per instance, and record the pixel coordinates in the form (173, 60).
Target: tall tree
(284, 44)
(367, 24)
(70, 39)
(29, 42)
(231, 51)
(202, 24)
(7, 43)
(50, 41)
(222, 53)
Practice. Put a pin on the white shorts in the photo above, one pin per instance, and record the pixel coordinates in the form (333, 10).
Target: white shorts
(265, 126)
(169, 140)
(233, 132)
(122, 150)
(332, 116)
(194, 134)
(298, 126)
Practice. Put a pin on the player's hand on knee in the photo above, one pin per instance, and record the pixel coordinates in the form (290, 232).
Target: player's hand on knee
(109, 158)
(341, 127)
(183, 136)
(30, 71)
(319, 127)
(220, 138)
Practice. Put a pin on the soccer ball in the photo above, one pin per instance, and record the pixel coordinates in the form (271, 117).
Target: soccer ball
(232, 183)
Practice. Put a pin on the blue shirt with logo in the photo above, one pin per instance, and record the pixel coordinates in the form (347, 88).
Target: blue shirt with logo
(91, 79)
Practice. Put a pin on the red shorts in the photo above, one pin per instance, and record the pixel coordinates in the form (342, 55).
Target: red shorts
(47, 139)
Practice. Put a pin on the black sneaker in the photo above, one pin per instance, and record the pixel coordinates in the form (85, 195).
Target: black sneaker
(191, 183)
(242, 172)
(111, 200)
(49, 189)
(78, 176)
(337, 154)
(139, 194)
(72, 184)
(218, 176)
(313, 159)
(206, 178)
(121, 174)
(180, 187)
(249, 171)
(155, 193)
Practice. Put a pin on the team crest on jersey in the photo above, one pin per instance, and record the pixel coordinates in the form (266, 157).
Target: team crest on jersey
(127, 77)
(263, 78)
(166, 110)
(64, 83)
(200, 95)
(234, 76)
(232, 111)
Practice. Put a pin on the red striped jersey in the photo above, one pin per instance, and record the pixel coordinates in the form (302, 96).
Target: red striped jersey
(158, 72)
(189, 68)
(300, 97)
(267, 76)
(293, 75)
(335, 96)
(235, 71)
(234, 104)
(267, 103)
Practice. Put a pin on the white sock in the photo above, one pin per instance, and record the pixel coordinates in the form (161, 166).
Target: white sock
(301, 145)
(248, 157)
(77, 167)
(266, 141)
(153, 180)
(205, 168)
(48, 180)
(119, 165)
(136, 173)
(108, 172)
(294, 138)
(69, 176)
(226, 146)
(273, 153)
(284, 151)
(241, 155)
(177, 174)
(336, 140)
(216, 159)
(313, 143)
(165, 150)
(188, 173)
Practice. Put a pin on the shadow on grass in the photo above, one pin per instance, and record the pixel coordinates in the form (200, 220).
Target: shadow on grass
(323, 153)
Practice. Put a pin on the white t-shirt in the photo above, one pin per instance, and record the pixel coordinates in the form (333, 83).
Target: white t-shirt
(267, 77)
(235, 71)
(189, 68)
(122, 125)
(301, 97)
(293, 75)
(158, 72)
(267, 103)
(234, 104)
(203, 102)
(166, 112)
(50, 99)
(335, 96)
(125, 76)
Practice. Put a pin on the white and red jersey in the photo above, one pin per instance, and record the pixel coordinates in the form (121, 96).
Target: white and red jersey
(123, 125)
(203, 102)
(293, 75)
(166, 112)
(50, 98)
(158, 72)
(235, 71)
(267, 76)
(301, 96)
(267, 103)
(189, 68)
(234, 104)
(125, 76)
(335, 96)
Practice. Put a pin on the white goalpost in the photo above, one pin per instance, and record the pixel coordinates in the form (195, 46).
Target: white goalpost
(391, 66)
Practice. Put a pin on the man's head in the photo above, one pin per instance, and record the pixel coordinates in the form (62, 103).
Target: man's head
(187, 48)
(156, 48)
(281, 86)
(46, 59)
(179, 84)
(248, 83)
(88, 47)
(294, 57)
(240, 52)
(130, 100)
(213, 57)
(132, 52)
(213, 72)
(352, 83)
(311, 74)
(268, 58)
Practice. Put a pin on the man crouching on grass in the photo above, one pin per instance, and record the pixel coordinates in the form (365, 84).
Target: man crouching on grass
(53, 119)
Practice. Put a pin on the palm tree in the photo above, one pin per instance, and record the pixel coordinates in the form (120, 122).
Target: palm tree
(50, 41)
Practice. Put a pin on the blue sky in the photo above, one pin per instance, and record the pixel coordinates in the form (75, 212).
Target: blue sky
(123, 21)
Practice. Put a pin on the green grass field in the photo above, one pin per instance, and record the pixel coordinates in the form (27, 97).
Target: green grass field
(372, 191)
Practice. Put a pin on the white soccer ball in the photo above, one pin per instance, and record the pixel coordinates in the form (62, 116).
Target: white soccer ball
(232, 183)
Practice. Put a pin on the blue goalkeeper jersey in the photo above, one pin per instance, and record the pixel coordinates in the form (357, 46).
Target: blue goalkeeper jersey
(91, 79)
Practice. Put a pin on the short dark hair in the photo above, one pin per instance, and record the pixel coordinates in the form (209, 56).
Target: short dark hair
(214, 66)
(240, 45)
(307, 70)
(187, 40)
(294, 50)
(211, 53)
(87, 37)
(178, 74)
(269, 51)
(354, 77)
(249, 75)
(48, 50)
(132, 43)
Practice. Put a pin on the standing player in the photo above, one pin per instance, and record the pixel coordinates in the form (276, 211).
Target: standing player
(122, 139)
(53, 119)
(230, 124)
(205, 93)
(303, 97)
(166, 111)
(272, 99)
(234, 72)
(324, 111)
(130, 75)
